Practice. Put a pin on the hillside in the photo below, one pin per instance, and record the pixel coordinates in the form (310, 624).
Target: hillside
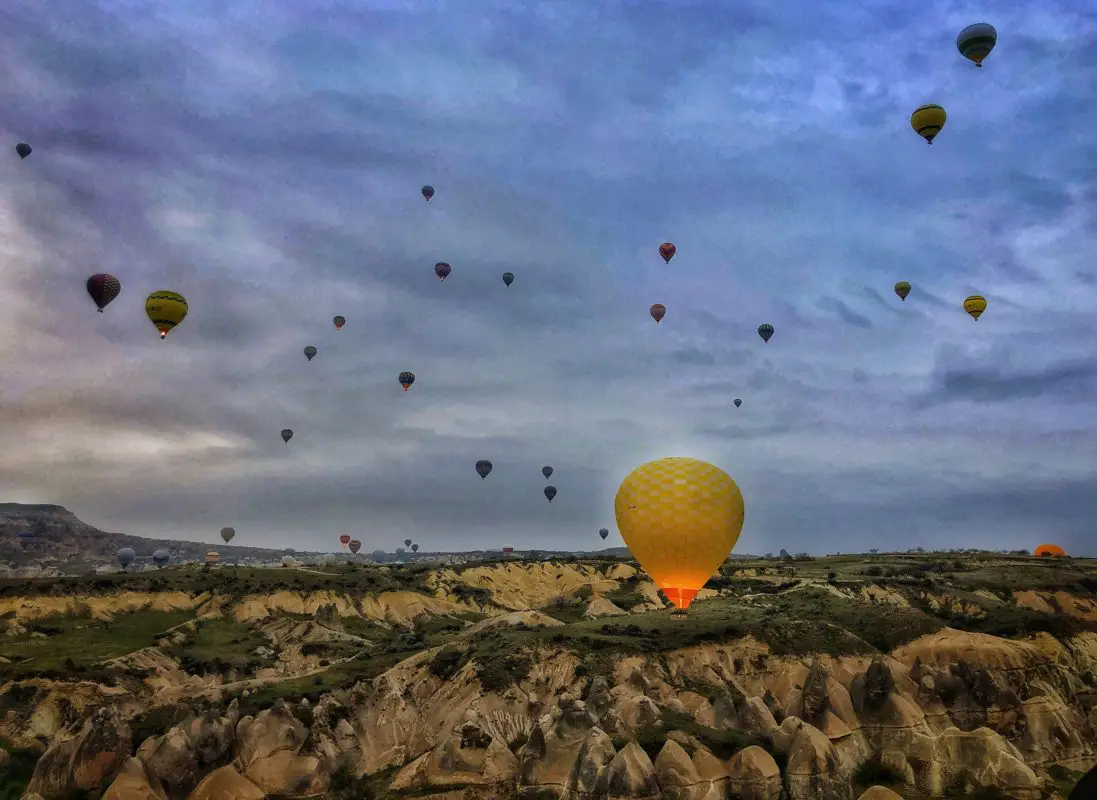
(53, 537)
(924, 676)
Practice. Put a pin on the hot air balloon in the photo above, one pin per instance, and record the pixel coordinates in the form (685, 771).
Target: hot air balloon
(103, 288)
(126, 556)
(344, 540)
(927, 121)
(161, 557)
(166, 310)
(508, 278)
(550, 492)
(975, 305)
(339, 322)
(737, 402)
(765, 330)
(902, 288)
(658, 311)
(415, 548)
(483, 469)
(287, 434)
(23, 149)
(213, 557)
(680, 517)
(407, 379)
(427, 192)
(976, 41)
(1049, 551)
(667, 251)
(289, 562)
(355, 546)
(604, 533)
(310, 352)
(546, 471)
(407, 542)
(227, 534)
(442, 269)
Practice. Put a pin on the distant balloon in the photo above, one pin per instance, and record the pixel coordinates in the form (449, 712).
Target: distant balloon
(166, 310)
(975, 305)
(407, 379)
(765, 330)
(103, 288)
(902, 288)
(550, 492)
(339, 322)
(442, 270)
(310, 352)
(213, 557)
(287, 434)
(415, 548)
(407, 542)
(126, 556)
(427, 192)
(227, 534)
(927, 121)
(23, 149)
(161, 557)
(658, 311)
(483, 469)
(1049, 550)
(976, 41)
(344, 540)
(355, 546)
(667, 251)
(289, 562)
(603, 532)
(546, 471)
(508, 278)
(738, 402)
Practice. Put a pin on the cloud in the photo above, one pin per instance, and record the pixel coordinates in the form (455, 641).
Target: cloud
(267, 166)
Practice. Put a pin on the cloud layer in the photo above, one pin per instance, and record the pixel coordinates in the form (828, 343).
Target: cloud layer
(266, 163)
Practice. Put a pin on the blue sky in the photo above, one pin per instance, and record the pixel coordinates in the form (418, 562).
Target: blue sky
(266, 163)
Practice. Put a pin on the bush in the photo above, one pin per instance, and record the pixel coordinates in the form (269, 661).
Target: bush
(446, 662)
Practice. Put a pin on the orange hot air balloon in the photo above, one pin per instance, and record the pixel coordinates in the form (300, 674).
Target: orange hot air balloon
(1049, 551)
(667, 251)
(344, 540)
(680, 517)
(658, 311)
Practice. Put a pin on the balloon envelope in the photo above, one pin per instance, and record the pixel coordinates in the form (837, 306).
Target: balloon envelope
(427, 192)
(160, 557)
(407, 542)
(355, 545)
(658, 311)
(227, 534)
(738, 402)
(550, 492)
(483, 469)
(339, 322)
(23, 149)
(667, 251)
(680, 517)
(508, 278)
(310, 352)
(1049, 550)
(415, 548)
(546, 471)
(344, 540)
(765, 330)
(927, 121)
(442, 270)
(407, 379)
(976, 41)
(103, 288)
(126, 556)
(166, 309)
(975, 306)
(604, 532)
(902, 288)
(287, 434)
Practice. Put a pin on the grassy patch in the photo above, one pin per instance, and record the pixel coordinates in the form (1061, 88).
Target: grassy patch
(75, 642)
(219, 645)
(20, 767)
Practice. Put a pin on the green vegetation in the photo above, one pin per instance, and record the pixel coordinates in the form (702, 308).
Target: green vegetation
(17, 773)
(71, 646)
(218, 645)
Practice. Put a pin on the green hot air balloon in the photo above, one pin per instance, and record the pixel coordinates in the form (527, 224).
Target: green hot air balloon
(310, 352)
(227, 534)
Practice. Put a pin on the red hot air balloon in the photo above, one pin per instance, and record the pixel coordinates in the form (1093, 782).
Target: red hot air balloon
(103, 288)
(658, 311)
(667, 251)
(344, 540)
(339, 322)
(442, 270)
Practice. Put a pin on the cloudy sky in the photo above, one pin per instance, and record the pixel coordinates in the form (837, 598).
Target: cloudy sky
(266, 163)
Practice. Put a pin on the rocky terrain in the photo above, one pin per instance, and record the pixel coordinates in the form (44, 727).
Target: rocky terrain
(850, 677)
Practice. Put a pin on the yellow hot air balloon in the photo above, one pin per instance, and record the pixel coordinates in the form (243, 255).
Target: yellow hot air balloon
(927, 121)
(166, 310)
(975, 305)
(680, 517)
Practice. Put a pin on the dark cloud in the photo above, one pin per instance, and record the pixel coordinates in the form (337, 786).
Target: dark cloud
(266, 161)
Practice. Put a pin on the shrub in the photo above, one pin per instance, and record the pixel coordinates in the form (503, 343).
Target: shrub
(446, 662)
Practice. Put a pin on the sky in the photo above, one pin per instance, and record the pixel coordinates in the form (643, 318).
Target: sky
(265, 160)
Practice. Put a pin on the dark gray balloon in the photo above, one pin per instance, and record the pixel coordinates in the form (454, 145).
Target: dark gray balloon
(161, 557)
(508, 278)
(604, 532)
(738, 402)
(415, 548)
(287, 434)
(126, 556)
(547, 472)
(23, 149)
(483, 467)
(550, 492)
(310, 352)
